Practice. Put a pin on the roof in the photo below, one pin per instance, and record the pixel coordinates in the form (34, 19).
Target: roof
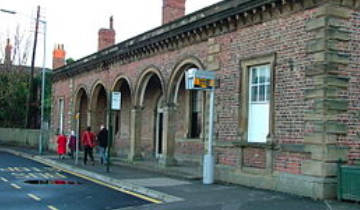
(164, 34)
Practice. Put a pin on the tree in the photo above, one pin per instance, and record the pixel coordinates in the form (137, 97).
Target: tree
(13, 92)
(14, 88)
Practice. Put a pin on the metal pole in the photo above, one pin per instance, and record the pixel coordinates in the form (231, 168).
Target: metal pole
(208, 170)
(109, 133)
(78, 137)
(42, 93)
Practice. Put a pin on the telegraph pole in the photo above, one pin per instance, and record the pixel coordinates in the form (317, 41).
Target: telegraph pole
(30, 98)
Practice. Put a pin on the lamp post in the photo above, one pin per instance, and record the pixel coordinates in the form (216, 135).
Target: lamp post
(31, 76)
(42, 93)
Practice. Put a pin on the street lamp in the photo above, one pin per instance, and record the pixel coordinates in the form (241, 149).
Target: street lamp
(42, 72)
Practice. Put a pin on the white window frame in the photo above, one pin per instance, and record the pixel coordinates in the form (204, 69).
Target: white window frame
(61, 103)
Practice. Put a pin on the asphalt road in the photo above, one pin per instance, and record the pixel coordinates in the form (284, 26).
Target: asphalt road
(78, 193)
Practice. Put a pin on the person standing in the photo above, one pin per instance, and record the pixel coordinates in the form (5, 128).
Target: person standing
(72, 144)
(88, 141)
(61, 141)
(102, 138)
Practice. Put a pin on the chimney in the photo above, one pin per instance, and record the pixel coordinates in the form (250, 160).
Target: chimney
(58, 56)
(172, 10)
(8, 49)
(106, 36)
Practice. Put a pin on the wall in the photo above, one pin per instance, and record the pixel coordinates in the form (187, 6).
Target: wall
(22, 137)
(297, 157)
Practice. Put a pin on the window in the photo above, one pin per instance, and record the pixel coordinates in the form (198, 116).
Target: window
(195, 114)
(259, 109)
(61, 116)
(256, 120)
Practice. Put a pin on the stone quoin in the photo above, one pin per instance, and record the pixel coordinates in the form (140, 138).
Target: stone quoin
(287, 103)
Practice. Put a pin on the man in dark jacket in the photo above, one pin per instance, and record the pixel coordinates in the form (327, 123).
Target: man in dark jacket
(102, 140)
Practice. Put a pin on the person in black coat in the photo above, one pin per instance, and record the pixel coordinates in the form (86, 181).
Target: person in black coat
(103, 143)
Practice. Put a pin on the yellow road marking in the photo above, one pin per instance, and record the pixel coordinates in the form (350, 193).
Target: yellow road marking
(15, 186)
(17, 169)
(104, 184)
(10, 169)
(110, 186)
(34, 197)
(52, 207)
(3, 179)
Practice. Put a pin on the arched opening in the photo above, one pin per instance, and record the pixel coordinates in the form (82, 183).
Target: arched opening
(98, 108)
(151, 92)
(82, 109)
(189, 115)
(121, 121)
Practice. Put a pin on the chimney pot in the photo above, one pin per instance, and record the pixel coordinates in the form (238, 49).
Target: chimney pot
(59, 56)
(8, 49)
(172, 10)
(106, 36)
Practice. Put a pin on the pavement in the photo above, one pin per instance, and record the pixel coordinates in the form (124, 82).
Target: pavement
(180, 188)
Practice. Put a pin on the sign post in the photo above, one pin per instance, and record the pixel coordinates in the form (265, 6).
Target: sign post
(115, 104)
(205, 80)
(78, 137)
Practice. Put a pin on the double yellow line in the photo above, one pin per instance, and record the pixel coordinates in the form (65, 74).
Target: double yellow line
(106, 185)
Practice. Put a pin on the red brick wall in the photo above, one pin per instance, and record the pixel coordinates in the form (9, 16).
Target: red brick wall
(286, 37)
(352, 117)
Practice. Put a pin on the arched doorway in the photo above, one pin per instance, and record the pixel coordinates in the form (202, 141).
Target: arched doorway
(150, 93)
(188, 115)
(98, 108)
(159, 126)
(82, 109)
(121, 121)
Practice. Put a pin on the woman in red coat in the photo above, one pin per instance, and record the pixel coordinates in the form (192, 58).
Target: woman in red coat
(61, 140)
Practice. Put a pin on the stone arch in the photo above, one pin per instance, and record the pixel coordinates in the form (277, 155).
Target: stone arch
(143, 82)
(123, 78)
(81, 108)
(121, 118)
(178, 74)
(98, 106)
(187, 119)
(149, 89)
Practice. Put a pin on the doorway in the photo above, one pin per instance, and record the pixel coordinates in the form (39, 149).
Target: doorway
(159, 129)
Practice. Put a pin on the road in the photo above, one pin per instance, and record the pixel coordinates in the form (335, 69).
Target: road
(25, 184)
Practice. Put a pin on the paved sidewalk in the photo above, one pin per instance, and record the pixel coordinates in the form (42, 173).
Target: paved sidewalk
(185, 193)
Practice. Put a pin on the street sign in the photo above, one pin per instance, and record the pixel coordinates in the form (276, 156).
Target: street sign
(199, 79)
(116, 101)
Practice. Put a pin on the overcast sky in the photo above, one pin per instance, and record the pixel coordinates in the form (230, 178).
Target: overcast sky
(75, 23)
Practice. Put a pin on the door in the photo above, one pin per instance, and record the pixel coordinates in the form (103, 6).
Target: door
(259, 103)
(159, 129)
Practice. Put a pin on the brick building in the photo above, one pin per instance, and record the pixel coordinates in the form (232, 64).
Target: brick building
(287, 102)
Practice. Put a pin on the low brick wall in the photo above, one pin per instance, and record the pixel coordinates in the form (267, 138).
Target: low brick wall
(23, 137)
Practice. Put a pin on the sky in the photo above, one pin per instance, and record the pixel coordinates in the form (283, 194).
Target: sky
(75, 23)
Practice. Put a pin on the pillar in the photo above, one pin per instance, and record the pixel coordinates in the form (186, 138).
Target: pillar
(135, 134)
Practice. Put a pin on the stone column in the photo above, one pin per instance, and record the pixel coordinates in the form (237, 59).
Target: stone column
(323, 95)
(169, 129)
(135, 134)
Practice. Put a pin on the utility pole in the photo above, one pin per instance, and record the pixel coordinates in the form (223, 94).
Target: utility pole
(30, 98)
